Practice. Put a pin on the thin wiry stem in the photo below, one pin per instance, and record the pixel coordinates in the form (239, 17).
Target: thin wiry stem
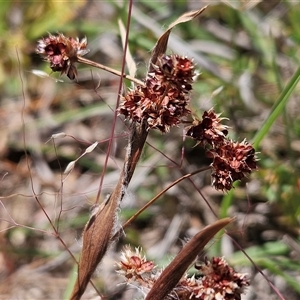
(128, 222)
(88, 62)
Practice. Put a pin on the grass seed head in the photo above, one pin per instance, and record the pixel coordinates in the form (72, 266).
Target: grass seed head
(164, 99)
(61, 52)
(231, 161)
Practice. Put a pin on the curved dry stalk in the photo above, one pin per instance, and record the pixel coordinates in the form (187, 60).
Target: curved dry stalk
(88, 62)
(128, 222)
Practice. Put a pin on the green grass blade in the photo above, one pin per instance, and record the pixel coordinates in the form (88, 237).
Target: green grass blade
(277, 109)
(71, 282)
(272, 267)
(269, 249)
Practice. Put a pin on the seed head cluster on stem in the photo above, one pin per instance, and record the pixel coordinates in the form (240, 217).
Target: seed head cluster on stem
(232, 161)
(135, 267)
(163, 101)
(213, 280)
(62, 53)
(209, 130)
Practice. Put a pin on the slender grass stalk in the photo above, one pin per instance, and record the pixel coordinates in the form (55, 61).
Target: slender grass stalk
(91, 63)
(277, 108)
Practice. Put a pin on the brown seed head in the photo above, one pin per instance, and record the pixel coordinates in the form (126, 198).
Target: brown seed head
(217, 281)
(163, 101)
(62, 52)
(177, 70)
(209, 130)
(134, 266)
(231, 161)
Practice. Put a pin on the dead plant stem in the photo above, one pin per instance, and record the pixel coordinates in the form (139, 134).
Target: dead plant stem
(128, 222)
(88, 62)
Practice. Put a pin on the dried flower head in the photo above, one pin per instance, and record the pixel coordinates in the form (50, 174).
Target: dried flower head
(215, 281)
(209, 130)
(134, 266)
(62, 53)
(163, 101)
(177, 70)
(231, 161)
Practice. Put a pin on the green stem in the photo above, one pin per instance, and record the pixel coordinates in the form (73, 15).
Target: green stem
(277, 108)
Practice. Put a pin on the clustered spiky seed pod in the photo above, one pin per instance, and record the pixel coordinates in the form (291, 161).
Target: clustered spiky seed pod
(62, 53)
(209, 130)
(164, 99)
(217, 281)
(232, 161)
(214, 279)
(134, 266)
(177, 71)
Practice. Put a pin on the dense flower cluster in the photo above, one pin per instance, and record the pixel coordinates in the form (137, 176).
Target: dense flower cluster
(134, 266)
(164, 99)
(209, 130)
(215, 280)
(177, 71)
(231, 160)
(62, 53)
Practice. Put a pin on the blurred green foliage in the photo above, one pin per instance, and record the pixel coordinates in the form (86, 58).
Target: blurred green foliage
(21, 24)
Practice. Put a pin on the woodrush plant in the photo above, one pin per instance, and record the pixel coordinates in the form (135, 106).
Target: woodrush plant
(159, 102)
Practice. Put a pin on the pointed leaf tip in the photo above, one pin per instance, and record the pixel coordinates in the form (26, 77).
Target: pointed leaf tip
(176, 269)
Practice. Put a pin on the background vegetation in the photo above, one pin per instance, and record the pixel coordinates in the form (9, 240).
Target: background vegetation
(248, 56)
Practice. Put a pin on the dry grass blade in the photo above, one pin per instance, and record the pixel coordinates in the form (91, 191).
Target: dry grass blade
(88, 62)
(161, 45)
(242, 4)
(176, 269)
(186, 17)
(131, 65)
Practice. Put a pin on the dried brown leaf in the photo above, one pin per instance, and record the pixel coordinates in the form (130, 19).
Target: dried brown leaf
(161, 45)
(131, 65)
(186, 17)
(176, 269)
